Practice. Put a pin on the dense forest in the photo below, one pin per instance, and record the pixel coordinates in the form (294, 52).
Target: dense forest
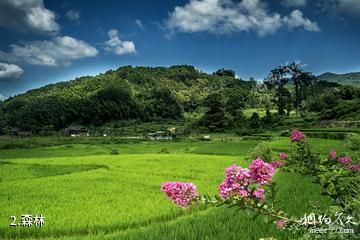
(214, 102)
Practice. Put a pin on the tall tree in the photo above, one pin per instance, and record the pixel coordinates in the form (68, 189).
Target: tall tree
(300, 80)
(276, 80)
(214, 118)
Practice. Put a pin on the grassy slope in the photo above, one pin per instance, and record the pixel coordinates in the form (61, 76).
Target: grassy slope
(112, 197)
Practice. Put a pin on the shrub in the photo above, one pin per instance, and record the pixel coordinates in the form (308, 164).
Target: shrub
(262, 151)
(164, 150)
(244, 131)
(327, 135)
(114, 152)
(301, 157)
(353, 142)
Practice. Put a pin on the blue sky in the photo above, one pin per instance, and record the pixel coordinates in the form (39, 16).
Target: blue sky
(48, 41)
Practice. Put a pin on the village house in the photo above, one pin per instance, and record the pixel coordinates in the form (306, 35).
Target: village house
(13, 131)
(160, 135)
(77, 131)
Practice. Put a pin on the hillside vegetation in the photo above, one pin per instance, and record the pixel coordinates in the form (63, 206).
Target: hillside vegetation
(352, 79)
(183, 94)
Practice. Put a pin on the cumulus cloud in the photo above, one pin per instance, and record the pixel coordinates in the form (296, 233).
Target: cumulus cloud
(55, 52)
(29, 15)
(296, 19)
(294, 3)
(10, 71)
(225, 16)
(117, 46)
(139, 23)
(73, 15)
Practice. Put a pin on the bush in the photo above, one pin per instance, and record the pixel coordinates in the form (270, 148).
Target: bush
(353, 142)
(327, 135)
(114, 152)
(285, 133)
(262, 151)
(164, 150)
(244, 131)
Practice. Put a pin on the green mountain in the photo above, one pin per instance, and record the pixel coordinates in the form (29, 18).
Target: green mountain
(141, 93)
(352, 79)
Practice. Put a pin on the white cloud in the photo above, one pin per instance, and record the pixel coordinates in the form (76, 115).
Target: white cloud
(56, 52)
(294, 3)
(296, 19)
(349, 7)
(73, 15)
(10, 71)
(139, 23)
(117, 46)
(2, 97)
(27, 15)
(225, 16)
(334, 8)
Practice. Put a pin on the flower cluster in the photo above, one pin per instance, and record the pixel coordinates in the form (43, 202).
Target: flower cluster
(183, 194)
(283, 155)
(332, 153)
(247, 182)
(261, 172)
(277, 163)
(280, 224)
(259, 193)
(354, 168)
(345, 160)
(296, 135)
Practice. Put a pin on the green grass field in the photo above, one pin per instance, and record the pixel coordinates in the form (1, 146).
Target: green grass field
(86, 193)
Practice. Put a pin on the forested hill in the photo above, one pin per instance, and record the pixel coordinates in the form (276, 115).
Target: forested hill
(352, 79)
(141, 93)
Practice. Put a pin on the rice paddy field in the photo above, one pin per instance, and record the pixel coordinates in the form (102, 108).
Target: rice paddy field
(84, 192)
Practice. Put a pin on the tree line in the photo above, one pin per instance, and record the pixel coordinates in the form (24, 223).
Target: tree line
(146, 94)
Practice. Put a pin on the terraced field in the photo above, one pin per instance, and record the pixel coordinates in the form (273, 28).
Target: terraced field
(86, 193)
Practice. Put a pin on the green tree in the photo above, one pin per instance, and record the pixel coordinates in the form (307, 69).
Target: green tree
(267, 119)
(160, 103)
(214, 118)
(254, 121)
(301, 80)
(276, 80)
(235, 102)
(225, 73)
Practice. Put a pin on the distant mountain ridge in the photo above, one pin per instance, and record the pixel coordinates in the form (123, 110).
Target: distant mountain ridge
(352, 79)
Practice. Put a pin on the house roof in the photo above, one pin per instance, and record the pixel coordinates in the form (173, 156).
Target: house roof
(11, 128)
(77, 128)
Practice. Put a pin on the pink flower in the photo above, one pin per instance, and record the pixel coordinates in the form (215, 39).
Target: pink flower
(183, 194)
(332, 153)
(237, 174)
(345, 160)
(240, 182)
(259, 194)
(243, 193)
(280, 224)
(261, 172)
(355, 168)
(236, 180)
(277, 164)
(296, 135)
(283, 155)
